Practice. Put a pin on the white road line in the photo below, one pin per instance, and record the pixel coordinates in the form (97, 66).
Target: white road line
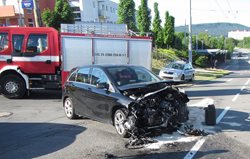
(235, 97)
(229, 80)
(242, 88)
(200, 142)
(222, 114)
(247, 82)
(195, 149)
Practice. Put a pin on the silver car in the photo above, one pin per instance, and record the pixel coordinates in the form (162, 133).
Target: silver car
(178, 71)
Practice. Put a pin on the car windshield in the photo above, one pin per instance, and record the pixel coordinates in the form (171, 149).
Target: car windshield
(177, 66)
(123, 75)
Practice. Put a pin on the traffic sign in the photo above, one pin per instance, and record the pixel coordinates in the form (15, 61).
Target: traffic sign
(27, 4)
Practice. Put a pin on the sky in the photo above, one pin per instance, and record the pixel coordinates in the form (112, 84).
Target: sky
(203, 11)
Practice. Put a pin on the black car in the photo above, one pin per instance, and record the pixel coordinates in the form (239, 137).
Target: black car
(131, 98)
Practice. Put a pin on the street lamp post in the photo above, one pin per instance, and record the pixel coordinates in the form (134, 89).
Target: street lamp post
(190, 35)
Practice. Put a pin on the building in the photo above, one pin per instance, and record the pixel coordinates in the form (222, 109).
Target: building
(95, 10)
(12, 13)
(239, 35)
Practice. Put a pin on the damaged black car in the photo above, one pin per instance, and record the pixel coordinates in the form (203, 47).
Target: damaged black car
(131, 98)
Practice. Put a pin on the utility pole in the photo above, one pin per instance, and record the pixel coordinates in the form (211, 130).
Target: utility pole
(190, 34)
(197, 42)
(20, 14)
(185, 34)
(35, 13)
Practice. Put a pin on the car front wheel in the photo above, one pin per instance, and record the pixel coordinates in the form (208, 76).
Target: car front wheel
(119, 119)
(69, 109)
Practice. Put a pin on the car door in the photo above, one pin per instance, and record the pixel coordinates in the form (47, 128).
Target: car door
(99, 100)
(80, 86)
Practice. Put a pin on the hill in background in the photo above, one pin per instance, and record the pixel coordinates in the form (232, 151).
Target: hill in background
(216, 29)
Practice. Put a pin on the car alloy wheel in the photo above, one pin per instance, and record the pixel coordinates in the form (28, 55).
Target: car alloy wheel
(69, 109)
(119, 119)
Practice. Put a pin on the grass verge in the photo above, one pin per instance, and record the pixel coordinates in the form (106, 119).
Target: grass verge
(210, 74)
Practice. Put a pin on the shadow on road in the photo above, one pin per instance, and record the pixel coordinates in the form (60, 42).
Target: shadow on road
(217, 92)
(45, 94)
(172, 155)
(30, 140)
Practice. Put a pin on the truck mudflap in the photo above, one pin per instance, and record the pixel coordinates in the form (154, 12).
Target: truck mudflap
(165, 110)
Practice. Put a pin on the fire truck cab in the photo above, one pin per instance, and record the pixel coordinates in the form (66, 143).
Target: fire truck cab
(29, 59)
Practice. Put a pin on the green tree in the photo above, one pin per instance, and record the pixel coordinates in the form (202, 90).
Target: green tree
(61, 14)
(157, 29)
(143, 17)
(168, 30)
(126, 14)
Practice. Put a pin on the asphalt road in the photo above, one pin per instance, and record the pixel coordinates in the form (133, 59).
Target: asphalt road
(37, 128)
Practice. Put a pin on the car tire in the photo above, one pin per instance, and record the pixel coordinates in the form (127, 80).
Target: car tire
(119, 117)
(183, 78)
(13, 86)
(69, 109)
(192, 78)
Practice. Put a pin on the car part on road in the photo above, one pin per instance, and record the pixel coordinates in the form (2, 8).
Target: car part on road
(189, 130)
(210, 115)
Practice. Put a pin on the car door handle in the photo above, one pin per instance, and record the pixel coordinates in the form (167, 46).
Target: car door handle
(89, 89)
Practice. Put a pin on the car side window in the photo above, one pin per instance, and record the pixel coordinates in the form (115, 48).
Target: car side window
(37, 43)
(83, 75)
(4, 42)
(72, 76)
(17, 41)
(98, 76)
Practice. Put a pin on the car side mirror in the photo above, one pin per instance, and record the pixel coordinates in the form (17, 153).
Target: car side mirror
(102, 86)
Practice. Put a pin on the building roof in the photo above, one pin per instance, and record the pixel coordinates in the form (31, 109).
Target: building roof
(7, 11)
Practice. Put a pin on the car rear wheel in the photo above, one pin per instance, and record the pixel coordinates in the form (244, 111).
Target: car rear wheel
(13, 86)
(69, 109)
(119, 119)
(192, 78)
(182, 77)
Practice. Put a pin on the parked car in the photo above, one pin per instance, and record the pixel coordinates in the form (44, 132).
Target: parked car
(178, 71)
(131, 98)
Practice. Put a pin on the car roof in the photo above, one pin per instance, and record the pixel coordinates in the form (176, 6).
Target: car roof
(108, 65)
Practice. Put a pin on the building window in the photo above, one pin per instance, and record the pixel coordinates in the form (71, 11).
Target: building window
(30, 22)
(77, 13)
(107, 8)
(93, 4)
(103, 8)
(29, 11)
(111, 9)
(75, 9)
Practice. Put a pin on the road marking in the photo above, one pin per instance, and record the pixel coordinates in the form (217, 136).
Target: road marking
(200, 142)
(222, 115)
(195, 148)
(242, 88)
(235, 97)
(247, 82)
(229, 80)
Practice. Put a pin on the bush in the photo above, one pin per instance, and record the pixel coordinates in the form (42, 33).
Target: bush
(201, 61)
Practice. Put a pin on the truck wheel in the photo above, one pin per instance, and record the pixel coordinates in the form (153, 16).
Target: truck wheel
(69, 109)
(13, 86)
(119, 119)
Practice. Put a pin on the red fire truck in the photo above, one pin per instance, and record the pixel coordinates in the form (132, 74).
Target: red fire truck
(38, 58)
